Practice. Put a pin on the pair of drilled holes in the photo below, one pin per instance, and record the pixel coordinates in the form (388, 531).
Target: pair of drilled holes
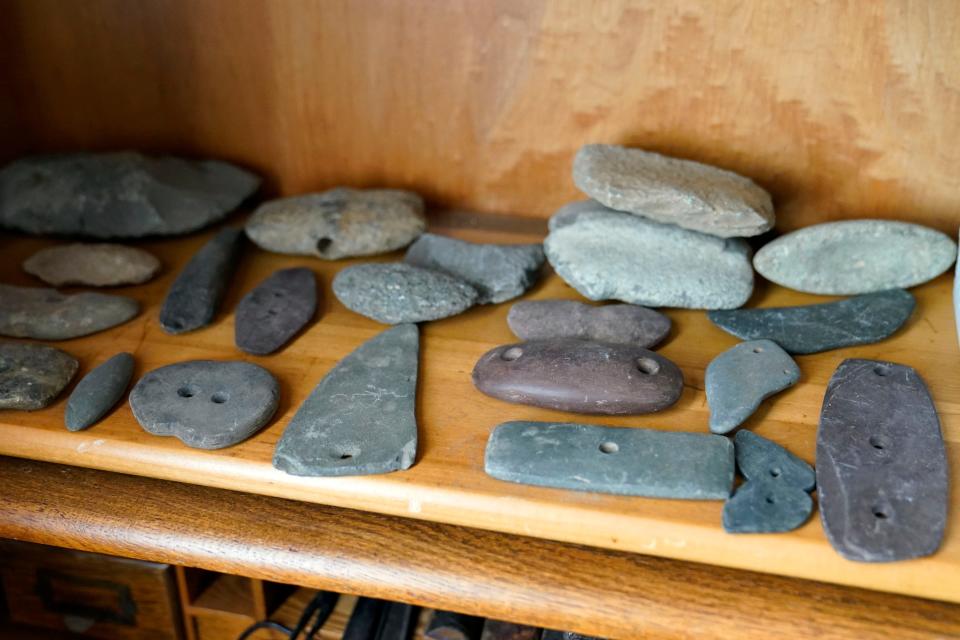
(190, 391)
(645, 365)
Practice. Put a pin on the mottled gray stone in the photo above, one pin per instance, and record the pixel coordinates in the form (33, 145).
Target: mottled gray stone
(360, 418)
(396, 292)
(741, 377)
(46, 314)
(881, 464)
(618, 460)
(206, 404)
(762, 459)
(119, 195)
(95, 265)
(32, 375)
(272, 313)
(766, 507)
(499, 272)
(856, 256)
(614, 323)
(195, 295)
(820, 327)
(339, 223)
(571, 212)
(617, 256)
(98, 392)
(682, 192)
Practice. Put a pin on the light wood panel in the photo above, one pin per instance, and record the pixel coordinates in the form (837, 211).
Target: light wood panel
(847, 108)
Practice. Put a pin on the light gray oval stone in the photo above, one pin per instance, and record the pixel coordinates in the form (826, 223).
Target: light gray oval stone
(33, 375)
(499, 272)
(742, 377)
(339, 223)
(396, 292)
(614, 323)
(681, 192)
(95, 265)
(98, 392)
(206, 404)
(119, 194)
(766, 507)
(856, 256)
(46, 314)
(617, 256)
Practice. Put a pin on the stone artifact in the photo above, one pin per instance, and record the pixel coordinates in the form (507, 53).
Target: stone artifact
(33, 375)
(742, 377)
(760, 459)
(340, 223)
(682, 192)
(98, 392)
(620, 460)
(579, 376)
(820, 327)
(571, 212)
(119, 195)
(956, 298)
(360, 418)
(615, 323)
(95, 265)
(499, 272)
(195, 295)
(46, 314)
(396, 292)
(207, 404)
(501, 630)
(856, 256)
(881, 464)
(617, 256)
(270, 315)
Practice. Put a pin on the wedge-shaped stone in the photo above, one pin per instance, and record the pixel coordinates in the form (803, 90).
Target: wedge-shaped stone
(881, 464)
(682, 192)
(579, 376)
(762, 459)
(820, 327)
(270, 315)
(856, 256)
(615, 323)
(360, 418)
(766, 507)
(96, 265)
(46, 314)
(619, 460)
(98, 392)
(33, 375)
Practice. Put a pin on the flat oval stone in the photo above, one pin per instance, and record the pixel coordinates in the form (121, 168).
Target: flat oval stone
(33, 375)
(579, 376)
(360, 418)
(499, 272)
(195, 295)
(396, 292)
(881, 464)
(766, 507)
(270, 315)
(46, 314)
(761, 459)
(95, 265)
(856, 256)
(742, 377)
(619, 460)
(339, 223)
(616, 323)
(820, 327)
(618, 256)
(681, 192)
(206, 404)
(98, 392)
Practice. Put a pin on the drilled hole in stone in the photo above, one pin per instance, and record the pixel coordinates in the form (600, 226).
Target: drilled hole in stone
(758, 349)
(323, 244)
(775, 473)
(188, 391)
(609, 447)
(219, 397)
(880, 513)
(346, 456)
(512, 354)
(786, 372)
(770, 500)
(881, 370)
(345, 453)
(878, 443)
(648, 366)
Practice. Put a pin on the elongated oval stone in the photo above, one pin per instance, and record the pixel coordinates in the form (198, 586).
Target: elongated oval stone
(856, 256)
(616, 323)
(617, 256)
(619, 460)
(820, 327)
(881, 463)
(206, 404)
(579, 376)
(761, 459)
(270, 315)
(360, 418)
(396, 292)
(46, 314)
(98, 392)
(33, 375)
(96, 265)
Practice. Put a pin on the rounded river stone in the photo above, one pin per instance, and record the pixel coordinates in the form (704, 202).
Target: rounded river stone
(46, 314)
(33, 375)
(270, 315)
(856, 256)
(616, 323)
(95, 265)
(98, 392)
(396, 292)
(207, 404)
(339, 223)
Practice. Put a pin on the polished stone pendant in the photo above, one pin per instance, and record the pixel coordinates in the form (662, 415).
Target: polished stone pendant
(46, 314)
(98, 392)
(270, 315)
(33, 375)
(616, 323)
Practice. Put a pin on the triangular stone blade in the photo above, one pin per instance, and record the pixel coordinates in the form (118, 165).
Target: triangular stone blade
(360, 418)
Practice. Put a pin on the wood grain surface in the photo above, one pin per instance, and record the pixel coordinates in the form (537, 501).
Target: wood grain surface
(847, 108)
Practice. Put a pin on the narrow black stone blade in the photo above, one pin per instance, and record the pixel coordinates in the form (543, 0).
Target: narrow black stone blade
(881, 463)
(272, 313)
